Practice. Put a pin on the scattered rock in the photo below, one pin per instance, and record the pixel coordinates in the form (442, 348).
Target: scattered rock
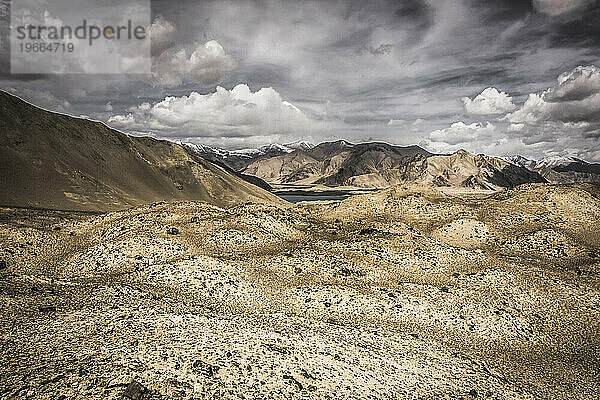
(362, 306)
(52, 380)
(136, 391)
(368, 231)
(173, 231)
(205, 368)
(308, 375)
(348, 272)
(293, 380)
(277, 348)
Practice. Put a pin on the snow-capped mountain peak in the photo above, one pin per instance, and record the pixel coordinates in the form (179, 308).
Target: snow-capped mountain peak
(203, 149)
(275, 147)
(300, 145)
(546, 162)
(556, 161)
(521, 161)
(245, 152)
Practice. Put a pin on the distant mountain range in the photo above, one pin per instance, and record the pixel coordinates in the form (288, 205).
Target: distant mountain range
(559, 169)
(55, 161)
(371, 165)
(238, 160)
(51, 160)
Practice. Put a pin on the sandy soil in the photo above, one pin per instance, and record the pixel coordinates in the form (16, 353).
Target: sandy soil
(406, 293)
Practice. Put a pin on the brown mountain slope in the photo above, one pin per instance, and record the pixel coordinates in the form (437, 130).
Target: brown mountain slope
(476, 171)
(378, 165)
(291, 167)
(51, 160)
(339, 164)
(375, 165)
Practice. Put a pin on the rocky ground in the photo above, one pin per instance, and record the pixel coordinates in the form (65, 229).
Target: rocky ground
(406, 293)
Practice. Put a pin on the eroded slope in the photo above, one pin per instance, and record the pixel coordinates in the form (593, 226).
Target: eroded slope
(404, 293)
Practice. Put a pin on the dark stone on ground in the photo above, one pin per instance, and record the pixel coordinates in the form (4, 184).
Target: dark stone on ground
(136, 391)
(205, 368)
(293, 380)
(368, 231)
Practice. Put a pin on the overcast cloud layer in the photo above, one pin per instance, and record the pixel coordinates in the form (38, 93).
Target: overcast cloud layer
(502, 77)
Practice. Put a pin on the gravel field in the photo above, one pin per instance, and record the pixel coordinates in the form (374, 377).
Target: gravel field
(404, 293)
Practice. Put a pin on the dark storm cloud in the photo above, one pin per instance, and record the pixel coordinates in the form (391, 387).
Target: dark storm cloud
(495, 11)
(581, 31)
(416, 12)
(393, 70)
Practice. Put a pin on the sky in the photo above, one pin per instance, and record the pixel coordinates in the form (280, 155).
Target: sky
(500, 77)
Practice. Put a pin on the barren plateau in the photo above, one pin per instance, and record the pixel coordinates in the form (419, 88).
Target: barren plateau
(403, 293)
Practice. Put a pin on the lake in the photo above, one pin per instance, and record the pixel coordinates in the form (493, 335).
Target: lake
(296, 197)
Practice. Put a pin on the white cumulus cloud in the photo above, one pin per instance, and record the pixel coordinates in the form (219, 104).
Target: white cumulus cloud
(162, 35)
(574, 99)
(206, 62)
(459, 133)
(238, 112)
(489, 102)
(565, 116)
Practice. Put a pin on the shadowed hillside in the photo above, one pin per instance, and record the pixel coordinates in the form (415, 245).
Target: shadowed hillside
(51, 160)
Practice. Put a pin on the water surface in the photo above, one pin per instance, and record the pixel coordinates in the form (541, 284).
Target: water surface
(296, 197)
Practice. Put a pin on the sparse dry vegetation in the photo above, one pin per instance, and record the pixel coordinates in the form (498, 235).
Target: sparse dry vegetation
(402, 293)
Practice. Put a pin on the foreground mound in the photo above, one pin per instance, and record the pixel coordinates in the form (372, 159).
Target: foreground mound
(404, 293)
